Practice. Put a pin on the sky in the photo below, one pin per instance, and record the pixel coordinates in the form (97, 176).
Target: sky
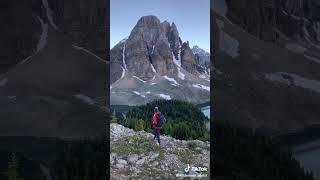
(191, 17)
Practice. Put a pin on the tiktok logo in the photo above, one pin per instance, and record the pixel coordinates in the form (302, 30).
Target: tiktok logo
(187, 169)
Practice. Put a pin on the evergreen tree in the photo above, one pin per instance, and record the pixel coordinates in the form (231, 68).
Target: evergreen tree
(114, 117)
(185, 121)
(12, 172)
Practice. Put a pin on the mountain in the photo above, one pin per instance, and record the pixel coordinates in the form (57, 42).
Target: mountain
(25, 23)
(266, 63)
(54, 86)
(202, 59)
(152, 63)
(134, 154)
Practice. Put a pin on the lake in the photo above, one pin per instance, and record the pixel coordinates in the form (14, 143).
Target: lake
(308, 155)
(206, 111)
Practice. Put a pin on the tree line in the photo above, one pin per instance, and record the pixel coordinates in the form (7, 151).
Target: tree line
(185, 120)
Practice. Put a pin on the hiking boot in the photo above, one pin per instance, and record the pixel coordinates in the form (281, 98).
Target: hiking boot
(157, 144)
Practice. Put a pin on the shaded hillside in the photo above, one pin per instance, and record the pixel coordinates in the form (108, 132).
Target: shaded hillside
(261, 85)
(56, 86)
(242, 154)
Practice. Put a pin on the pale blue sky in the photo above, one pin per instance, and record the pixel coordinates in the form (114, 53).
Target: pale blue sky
(191, 17)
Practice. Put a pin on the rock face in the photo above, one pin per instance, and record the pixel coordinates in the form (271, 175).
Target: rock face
(151, 48)
(82, 21)
(85, 22)
(188, 59)
(153, 63)
(135, 155)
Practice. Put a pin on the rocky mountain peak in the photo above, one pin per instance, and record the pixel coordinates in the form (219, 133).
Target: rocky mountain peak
(154, 55)
(149, 21)
(151, 49)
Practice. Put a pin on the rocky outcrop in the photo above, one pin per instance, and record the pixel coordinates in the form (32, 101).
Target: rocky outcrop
(174, 40)
(135, 155)
(188, 59)
(147, 46)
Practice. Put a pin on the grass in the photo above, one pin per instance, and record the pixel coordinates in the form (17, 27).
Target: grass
(133, 145)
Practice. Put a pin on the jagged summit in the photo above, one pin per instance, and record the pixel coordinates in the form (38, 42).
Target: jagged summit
(150, 21)
(154, 54)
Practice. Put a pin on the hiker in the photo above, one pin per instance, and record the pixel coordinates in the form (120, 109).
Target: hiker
(158, 120)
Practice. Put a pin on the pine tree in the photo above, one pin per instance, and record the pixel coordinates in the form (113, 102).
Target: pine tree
(114, 117)
(12, 172)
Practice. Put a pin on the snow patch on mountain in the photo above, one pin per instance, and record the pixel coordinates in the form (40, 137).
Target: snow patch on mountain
(314, 59)
(123, 72)
(3, 82)
(152, 49)
(85, 99)
(153, 69)
(229, 44)
(200, 86)
(171, 80)
(294, 79)
(180, 74)
(25, 60)
(176, 61)
(202, 76)
(139, 79)
(123, 57)
(49, 13)
(43, 37)
(90, 53)
(139, 94)
(296, 48)
(164, 96)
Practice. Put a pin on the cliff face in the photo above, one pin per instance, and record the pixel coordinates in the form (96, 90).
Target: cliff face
(153, 47)
(154, 63)
(85, 22)
(135, 155)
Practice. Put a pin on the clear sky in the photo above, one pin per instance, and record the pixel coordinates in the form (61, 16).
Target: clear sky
(192, 18)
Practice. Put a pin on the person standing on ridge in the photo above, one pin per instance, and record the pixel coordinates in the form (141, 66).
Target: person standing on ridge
(158, 121)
